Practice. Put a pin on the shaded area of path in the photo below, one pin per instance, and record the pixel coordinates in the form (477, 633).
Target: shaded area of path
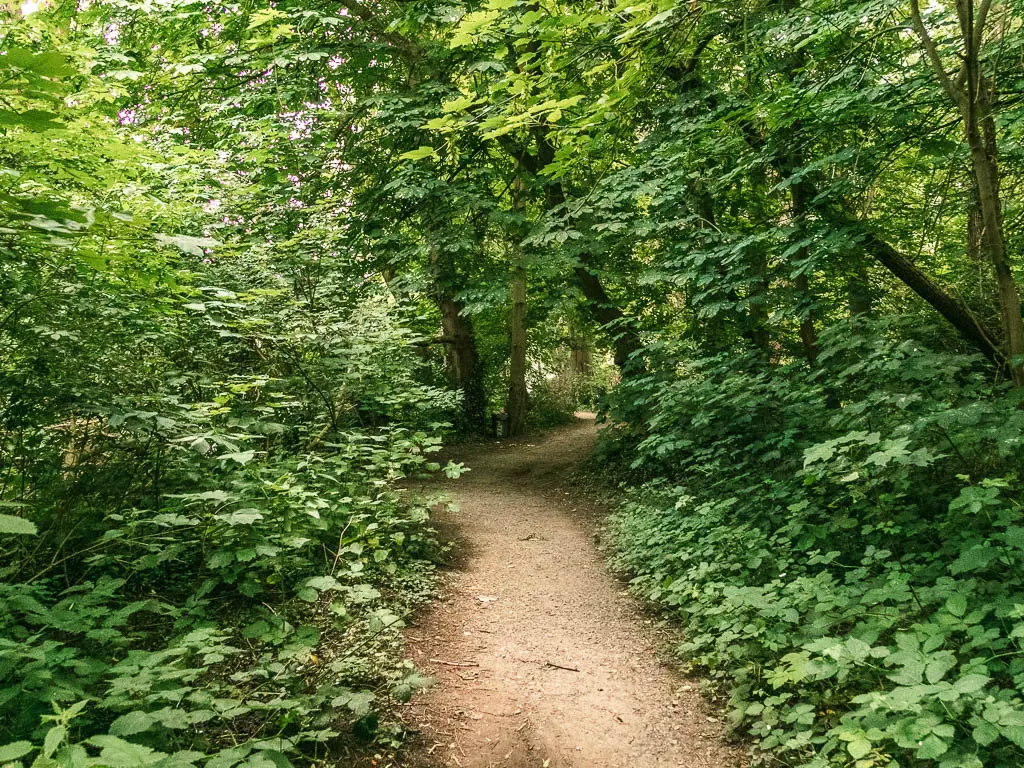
(540, 657)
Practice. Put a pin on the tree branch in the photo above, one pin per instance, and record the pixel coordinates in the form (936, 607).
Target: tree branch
(979, 24)
(958, 96)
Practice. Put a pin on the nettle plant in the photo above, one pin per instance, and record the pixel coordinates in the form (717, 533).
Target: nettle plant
(844, 547)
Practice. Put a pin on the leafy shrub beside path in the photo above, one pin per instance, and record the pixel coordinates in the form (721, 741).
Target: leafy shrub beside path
(844, 547)
(205, 556)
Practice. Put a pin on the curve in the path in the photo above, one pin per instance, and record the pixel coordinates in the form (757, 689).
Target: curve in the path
(541, 659)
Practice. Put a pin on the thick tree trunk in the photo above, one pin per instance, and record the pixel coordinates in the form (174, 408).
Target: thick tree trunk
(463, 361)
(580, 358)
(516, 404)
(623, 333)
(974, 228)
(949, 306)
(625, 336)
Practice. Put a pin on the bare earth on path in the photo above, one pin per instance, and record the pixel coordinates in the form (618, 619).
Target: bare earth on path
(541, 659)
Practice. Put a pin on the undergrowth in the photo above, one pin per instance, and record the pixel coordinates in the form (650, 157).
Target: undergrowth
(208, 564)
(844, 546)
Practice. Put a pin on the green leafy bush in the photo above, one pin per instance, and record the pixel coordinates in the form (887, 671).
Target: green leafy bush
(844, 546)
(205, 554)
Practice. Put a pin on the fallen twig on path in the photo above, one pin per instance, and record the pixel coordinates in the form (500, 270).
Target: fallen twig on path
(455, 663)
(546, 664)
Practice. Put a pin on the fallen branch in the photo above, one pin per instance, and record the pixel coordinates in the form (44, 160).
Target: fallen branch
(559, 666)
(455, 663)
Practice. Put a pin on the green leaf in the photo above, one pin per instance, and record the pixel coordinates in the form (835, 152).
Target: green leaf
(973, 559)
(173, 718)
(46, 64)
(985, 733)
(276, 758)
(53, 739)
(34, 119)
(115, 752)
(362, 593)
(262, 18)
(193, 245)
(17, 525)
(938, 665)
(240, 457)
(457, 105)
(242, 517)
(418, 154)
(956, 604)
(1014, 733)
(132, 723)
(1014, 537)
(14, 750)
(357, 702)
(971, 683)
(820, 452)
(858, 748)
(931, 747)
(323, 583)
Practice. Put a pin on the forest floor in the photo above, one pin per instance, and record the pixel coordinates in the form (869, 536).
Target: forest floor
(541, 659)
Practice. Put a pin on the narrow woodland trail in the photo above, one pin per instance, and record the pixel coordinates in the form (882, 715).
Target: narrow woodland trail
(540, 657)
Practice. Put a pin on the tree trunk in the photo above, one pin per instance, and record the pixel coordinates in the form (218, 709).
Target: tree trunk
(800, 196)
(580, 358)
(993, 242)
(950, 307)
(805, 306)
(620, 327)
(974, 94)
(463, 362)
(624, 335)
(974, 228)
(980, 128)
(947, 305)
(757, 301)
(515, 406)
(858, 292)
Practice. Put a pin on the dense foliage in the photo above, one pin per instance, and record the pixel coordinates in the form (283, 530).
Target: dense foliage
(259, 257)
(852, 574)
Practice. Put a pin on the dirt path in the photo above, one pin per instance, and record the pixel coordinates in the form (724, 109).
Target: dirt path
(531, 605)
